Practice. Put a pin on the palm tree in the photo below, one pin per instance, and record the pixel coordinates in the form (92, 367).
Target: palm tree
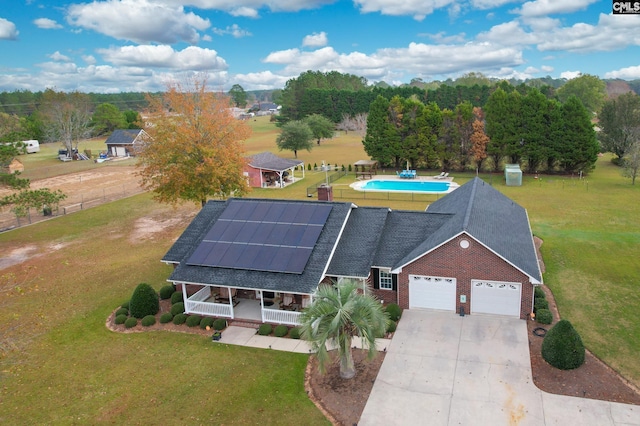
(337, 314)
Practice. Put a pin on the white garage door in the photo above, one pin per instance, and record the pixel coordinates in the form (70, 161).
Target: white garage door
(491, 297)
(432, 292)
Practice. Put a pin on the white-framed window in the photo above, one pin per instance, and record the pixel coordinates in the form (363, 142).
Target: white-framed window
(385, 280)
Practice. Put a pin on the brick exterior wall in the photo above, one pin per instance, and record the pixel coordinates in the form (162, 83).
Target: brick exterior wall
(387, 296)
(473, 263)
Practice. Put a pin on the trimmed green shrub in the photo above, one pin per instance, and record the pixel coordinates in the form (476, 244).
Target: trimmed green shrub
(265, 329)
(538, 292)
(392, 327)
(144, 301)
(193, 320)
(562, 347)
(179, 319)
(394, 311)
(120, 319)
(206, 321)
(177, 308)
(131, 322)
(540, 303)
(544, 316)
(280, 330)
(294, 333)
(220, 324)
(176, 297)
(148, 321)
(166, 318)
(122, 311)
(167, 291)
(125, 305)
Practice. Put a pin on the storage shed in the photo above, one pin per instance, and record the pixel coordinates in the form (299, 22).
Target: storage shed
(513, 175)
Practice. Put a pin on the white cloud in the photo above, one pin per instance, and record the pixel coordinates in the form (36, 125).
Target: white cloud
(419, 9)
(418, 59)
(244, 12)
(191, 58)
(140, 21)
(233, 6)
(609, 34)
(233, 30)
(628, 73)
(89, 59)
(315, 40)
(443, 38)
(59, 57)
(8, 30)
(47, 24)
(261, 80)
(570, 74)
(551, 7)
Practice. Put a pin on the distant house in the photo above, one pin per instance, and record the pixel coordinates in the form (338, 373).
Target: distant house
(266, 169)
(265, 108)
(125, 142)
(471, 251)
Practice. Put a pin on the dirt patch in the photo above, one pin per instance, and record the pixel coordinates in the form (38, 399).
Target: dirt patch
(24, 253)
(145, 228)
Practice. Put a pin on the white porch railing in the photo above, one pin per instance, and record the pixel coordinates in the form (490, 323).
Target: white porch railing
(196, 305)
(281, 317)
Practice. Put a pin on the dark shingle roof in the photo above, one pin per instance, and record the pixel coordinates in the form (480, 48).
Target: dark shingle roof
(269, 161)
(357, 246)
(123, 137)
(306, 282)
(489, 217)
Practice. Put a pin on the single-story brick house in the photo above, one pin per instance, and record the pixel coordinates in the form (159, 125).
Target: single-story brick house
(263, 259)
(124, 142)
(268, 170)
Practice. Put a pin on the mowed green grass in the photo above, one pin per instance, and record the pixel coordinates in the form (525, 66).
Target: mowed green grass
(60, 364)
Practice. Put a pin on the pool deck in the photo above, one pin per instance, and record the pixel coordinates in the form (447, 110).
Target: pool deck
(361, 181)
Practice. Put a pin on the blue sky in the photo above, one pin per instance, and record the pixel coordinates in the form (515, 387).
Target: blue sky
(142, 45)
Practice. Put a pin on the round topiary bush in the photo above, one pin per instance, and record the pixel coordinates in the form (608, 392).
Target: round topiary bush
(122, 311)
(177, 308)
(120, 319)
(538, 292)
(206, 322)
(265, 329)
(166, 318)
(294, 333)
(544, 316)
(392, 327)
(148, 321)
(144, 301)
(167, 291)
(394, 311)
(131, 322)
(220, 324)
(179, 319)
(193, 320)
(280, 330)
(176, 297)
(562, 347)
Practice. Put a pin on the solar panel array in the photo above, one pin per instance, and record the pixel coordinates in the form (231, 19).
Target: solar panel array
(268, 236)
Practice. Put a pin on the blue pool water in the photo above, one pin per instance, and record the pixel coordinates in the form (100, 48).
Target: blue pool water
(406, 186)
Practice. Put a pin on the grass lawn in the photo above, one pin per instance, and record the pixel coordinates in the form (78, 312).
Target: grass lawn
(60, 365)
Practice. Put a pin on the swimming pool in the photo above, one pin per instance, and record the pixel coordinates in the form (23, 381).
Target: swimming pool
(424, 186)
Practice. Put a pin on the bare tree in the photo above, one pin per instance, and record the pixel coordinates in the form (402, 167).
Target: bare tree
(356, 123)
(67, 117)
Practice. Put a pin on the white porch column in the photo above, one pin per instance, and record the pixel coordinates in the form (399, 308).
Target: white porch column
(184, 295)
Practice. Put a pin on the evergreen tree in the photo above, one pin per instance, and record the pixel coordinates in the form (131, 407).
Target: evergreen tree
(579, 149)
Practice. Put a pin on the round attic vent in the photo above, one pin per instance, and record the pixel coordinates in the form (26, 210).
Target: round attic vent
(464, 244)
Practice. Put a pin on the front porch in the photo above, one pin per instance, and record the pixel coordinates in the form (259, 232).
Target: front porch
(227, 302)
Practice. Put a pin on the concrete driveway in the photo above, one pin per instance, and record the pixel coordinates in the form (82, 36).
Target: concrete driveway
(443, 369)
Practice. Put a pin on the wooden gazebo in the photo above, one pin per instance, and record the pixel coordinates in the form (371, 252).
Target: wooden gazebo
(365, 168)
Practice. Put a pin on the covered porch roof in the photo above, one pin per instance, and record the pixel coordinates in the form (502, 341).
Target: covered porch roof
(271, 162)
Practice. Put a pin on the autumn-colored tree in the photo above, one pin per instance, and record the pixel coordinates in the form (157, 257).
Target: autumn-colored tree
(479, 139)
(195, 150)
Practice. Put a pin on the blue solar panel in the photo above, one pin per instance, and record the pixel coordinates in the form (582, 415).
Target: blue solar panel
(290, 213)
(271, 236)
